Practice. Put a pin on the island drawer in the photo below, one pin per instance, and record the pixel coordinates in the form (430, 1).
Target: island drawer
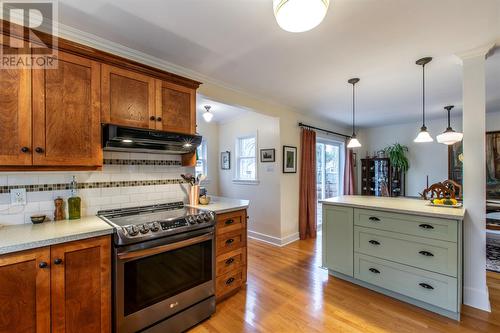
(432, 288)
(420, 226)
(230, 261)
(429, 254)
(227, 222)
(230, 241)
(227, 283)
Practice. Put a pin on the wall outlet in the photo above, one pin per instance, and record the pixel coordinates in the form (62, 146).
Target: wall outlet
(18, 196)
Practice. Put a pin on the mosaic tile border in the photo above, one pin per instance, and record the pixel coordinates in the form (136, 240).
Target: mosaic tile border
(67, 186)
(142, 162)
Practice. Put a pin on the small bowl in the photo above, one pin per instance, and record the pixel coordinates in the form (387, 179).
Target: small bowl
(36, 219)
(204, 200)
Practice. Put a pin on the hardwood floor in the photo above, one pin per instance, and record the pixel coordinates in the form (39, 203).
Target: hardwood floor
(288, 292)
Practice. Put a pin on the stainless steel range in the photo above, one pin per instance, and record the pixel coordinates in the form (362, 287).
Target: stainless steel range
(163, 267)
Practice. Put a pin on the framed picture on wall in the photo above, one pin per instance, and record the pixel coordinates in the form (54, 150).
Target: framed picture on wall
(289, 159)
(493, 165)
(225, 160)
(267, 155)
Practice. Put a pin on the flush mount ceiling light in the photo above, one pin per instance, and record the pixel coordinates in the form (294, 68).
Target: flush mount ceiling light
(207, 115)
(353, 142)
(449, 136)
(423, 135)
(299, 15)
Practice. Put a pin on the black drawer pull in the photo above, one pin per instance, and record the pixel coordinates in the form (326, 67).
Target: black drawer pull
(374, 242)
(229, 261)
(426, 286)
(426, 253)
(229, 222)
(43, 264)
(374, 271)
(426, 226)
(229, 241)
(374, 219)
(58, 261)
(229, 281)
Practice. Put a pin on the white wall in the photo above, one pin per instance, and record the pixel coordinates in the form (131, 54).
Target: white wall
(425, 158)
(264, 210)
(210, 132)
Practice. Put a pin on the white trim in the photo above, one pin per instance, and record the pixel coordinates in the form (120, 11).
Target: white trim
(276, 241)
(237, 179)
(482, 51)
(246, 182)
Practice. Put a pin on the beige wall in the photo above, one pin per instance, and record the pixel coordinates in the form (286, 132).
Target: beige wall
(210, 132)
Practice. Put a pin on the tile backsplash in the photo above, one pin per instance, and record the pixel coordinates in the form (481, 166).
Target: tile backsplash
(126, 180)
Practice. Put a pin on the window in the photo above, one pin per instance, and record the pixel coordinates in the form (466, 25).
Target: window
(246, 160)
(201, 163)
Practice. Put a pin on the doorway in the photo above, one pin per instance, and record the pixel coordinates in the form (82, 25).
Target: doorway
(330, 155)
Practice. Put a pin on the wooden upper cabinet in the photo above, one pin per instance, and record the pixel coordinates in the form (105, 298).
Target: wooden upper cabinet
(175, 108)
(81, 286)
(66, 113)
(15, 116)
(25, 291)
(128, 98)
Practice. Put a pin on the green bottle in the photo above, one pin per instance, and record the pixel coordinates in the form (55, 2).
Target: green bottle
(74, 202)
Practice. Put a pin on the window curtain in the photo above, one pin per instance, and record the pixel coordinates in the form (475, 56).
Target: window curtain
(349, 181)
(307, 200)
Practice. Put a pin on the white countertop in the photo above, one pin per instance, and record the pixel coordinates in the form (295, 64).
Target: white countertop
(397, 205)
(21, 237)
(222, 205)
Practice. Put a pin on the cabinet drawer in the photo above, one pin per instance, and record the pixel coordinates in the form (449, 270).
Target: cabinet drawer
(430, 254)
(408, 224)
(231, 221)
(230, 261)
(436, 289)
(226, 283)
(230, 241)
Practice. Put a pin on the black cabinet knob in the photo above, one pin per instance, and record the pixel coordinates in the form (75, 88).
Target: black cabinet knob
(58, 261)
(229, 281)
(426, 286)
(152, 118)
(229, 261)
(228, 222)
(374, 271)
(25, 150)
(374, 242)
(426, 226)
(39, 150)
(229, 241)
(426, 253)
(374, 219)
(43, 264)
(158, 119)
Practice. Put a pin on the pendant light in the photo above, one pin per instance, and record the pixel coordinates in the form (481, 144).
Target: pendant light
(449, 136)
(423, 135)
(207, 115)
(353, 142)
(299, 15)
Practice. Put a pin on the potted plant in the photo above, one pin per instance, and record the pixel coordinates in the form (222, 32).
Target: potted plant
(397, 156)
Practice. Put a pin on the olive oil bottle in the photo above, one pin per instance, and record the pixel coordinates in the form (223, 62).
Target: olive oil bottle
(74, 202)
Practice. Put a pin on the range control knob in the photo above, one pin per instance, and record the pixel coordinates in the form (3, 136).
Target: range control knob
(154, 227)
(206, 217)
(132, 230)
(144, 229)
(191, 219)
(199, 219)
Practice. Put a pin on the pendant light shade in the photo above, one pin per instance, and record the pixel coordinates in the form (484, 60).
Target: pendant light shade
(353, 141)
(207, 115)
(299, 15)
(449, 136)
(423, 135)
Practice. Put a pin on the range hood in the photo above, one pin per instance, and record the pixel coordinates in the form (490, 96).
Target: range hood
(119, 138)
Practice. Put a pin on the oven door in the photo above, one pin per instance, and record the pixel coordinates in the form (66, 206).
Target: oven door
(156, 279)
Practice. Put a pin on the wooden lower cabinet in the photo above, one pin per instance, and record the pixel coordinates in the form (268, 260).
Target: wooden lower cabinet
(231, 253)
(62, 288)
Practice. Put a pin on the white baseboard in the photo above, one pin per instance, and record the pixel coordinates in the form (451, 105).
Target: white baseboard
(276, 241)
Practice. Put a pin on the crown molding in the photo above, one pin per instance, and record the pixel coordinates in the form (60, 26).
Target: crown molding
(481, 51)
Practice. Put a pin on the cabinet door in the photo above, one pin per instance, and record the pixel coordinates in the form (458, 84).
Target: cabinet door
(25, 291)
(66, 113)
(15, 116)
(128, 98)
(176, 108)
(338, 239)
(81, 292)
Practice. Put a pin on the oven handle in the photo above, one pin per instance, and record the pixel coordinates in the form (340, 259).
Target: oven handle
(166, 247)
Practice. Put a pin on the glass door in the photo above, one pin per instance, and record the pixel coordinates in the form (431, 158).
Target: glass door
(329, 171)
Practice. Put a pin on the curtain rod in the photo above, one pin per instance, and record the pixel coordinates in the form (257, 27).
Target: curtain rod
(323, 130)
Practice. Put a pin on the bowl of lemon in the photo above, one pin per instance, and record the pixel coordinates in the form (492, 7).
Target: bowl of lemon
(446, 202)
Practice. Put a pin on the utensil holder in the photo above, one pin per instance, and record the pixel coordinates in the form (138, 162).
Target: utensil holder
(194, 194)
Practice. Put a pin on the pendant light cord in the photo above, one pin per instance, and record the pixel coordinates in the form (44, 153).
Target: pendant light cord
(353, 109)
(423, 95)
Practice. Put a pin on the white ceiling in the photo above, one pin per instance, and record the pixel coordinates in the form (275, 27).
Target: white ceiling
(238, 42)
(222, 112)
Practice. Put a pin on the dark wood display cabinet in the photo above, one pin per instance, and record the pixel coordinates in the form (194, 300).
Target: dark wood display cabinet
(378, 178)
